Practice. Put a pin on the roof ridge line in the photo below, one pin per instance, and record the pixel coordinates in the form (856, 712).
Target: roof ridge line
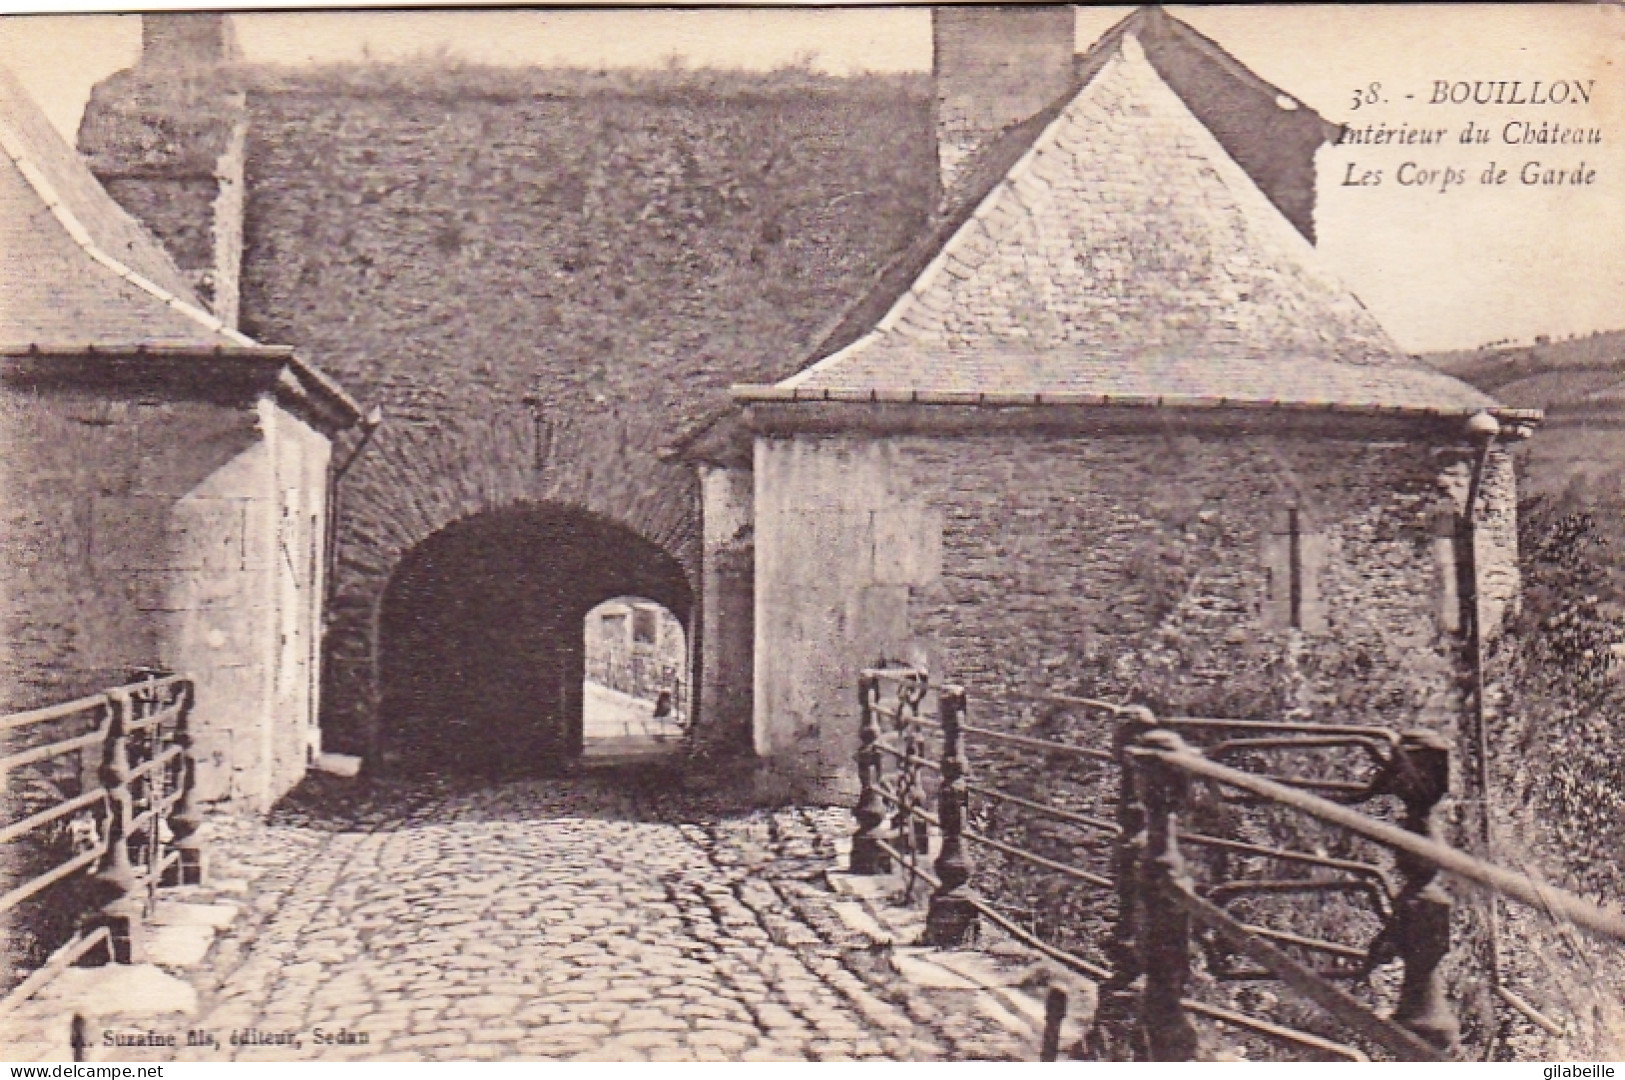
(1005, 185)
(1233, 64)
(1280, 230)
(15, 149)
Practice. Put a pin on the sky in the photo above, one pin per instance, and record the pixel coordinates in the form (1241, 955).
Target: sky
(1442, 265)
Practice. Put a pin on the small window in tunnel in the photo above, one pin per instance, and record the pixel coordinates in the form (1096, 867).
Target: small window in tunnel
(635, 699)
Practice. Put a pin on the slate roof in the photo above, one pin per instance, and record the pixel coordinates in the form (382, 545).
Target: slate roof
(76, 269)
(1127, 257)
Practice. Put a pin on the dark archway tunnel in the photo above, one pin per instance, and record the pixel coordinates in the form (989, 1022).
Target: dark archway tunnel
(481, 649)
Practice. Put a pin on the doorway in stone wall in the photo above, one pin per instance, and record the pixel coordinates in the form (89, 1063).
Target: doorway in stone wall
(484, 641)
(635, 690)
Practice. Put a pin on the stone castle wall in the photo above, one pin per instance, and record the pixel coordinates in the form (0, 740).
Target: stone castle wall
(1130, 564)
(543, 283)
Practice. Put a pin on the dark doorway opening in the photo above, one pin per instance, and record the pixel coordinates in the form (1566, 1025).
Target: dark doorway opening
(482, 650)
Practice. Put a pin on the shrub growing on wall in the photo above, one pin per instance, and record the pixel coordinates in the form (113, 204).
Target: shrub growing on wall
(1565, 697)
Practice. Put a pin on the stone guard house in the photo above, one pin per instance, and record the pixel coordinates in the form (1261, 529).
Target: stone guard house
(1114, 430)
(1084, 409)
(162, 477)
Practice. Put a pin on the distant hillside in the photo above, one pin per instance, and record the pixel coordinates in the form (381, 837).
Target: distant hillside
(1542, 375)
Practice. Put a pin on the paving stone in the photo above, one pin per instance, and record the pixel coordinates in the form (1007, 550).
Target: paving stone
(493, 1005)
(739, 1027)
(120, 990)
(773, 1053)
(922, 972)
(178, 946)
(178, 913)
(557, 920)
(725, 1040)
(612, 1052)
(430, 1039)
(648, 1019)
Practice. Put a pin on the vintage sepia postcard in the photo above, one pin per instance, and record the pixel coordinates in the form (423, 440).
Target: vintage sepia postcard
(871, 533)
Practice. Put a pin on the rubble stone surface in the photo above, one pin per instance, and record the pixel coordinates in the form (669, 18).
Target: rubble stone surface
(583, 918)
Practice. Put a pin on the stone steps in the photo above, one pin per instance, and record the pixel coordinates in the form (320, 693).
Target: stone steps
(1002, 980)
(119, 1000)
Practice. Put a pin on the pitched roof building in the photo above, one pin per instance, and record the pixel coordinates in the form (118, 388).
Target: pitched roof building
(156, 462)
(1112, 428)
(1125, 257)
(78, 269)
(1035, 245)
(82, 277)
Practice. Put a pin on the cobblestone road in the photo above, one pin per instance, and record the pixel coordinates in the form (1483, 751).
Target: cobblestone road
(588, 918)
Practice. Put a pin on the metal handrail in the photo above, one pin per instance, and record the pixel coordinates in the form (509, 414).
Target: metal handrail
(58, 962)
(146, 811)
(1366, 870)
(1272, 1031)
(1277, 725)
(41, 882)
(1064, 869)
(36, 754)
(1148, 871)
(1028, 741)
(52, 712)
(1058, 814)
(1345, 1008)
(1050, 697)
(1457, 863)
(45, 817)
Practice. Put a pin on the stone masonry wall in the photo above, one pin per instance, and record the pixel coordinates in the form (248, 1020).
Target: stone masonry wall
(144, 532)
(728, 609)
(84, 541)
(543, 278)
(299, 460)
(1128, 565)
(993, 68)
(169, 148)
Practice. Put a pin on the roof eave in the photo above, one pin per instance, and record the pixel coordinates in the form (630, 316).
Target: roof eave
(345, 410)
(296, 383)
(748, 394)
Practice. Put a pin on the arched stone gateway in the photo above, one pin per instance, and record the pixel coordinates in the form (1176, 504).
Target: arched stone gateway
(419, 485)
(480, 648)
(543, 280)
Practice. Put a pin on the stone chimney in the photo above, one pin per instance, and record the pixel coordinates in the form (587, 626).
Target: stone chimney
(187, 40)
(167, 140)
(994, 67)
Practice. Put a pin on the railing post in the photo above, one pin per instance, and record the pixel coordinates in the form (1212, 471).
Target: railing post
(186, 819)
(867, 855)
(913, 832)
(951, 920)
(1054, 1018)
(121, 912)
(152, 788)
(1113, 1034)
(1421, 925)
(1165, 932)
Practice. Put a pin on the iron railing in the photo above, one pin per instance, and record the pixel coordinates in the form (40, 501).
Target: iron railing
(1168, 888)
(119, 795)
